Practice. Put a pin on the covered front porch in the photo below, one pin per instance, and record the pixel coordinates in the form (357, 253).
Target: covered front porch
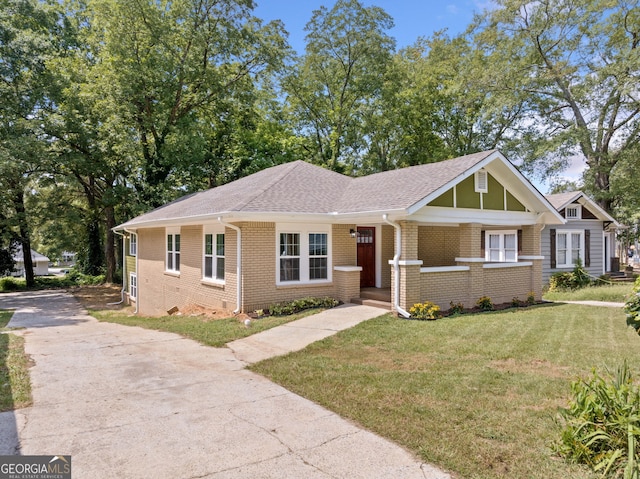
(458, 264)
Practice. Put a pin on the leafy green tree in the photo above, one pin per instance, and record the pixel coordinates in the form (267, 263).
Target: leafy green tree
(26, 32)
(578, 63)
(332, 87)
(170, 63)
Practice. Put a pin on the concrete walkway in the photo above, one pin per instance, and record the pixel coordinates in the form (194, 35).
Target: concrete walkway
(135, 403)
(606, 304)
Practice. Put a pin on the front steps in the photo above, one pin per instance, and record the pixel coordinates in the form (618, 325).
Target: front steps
(375, 297)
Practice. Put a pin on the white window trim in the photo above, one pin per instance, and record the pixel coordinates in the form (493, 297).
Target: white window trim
(213, 230)
(173, 232)
(133, 286)
(304, 231)
(578, 209)
(502, 233)
(133, 245)
(570, 248)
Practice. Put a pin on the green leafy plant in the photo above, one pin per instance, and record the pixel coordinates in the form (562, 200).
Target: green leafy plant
(515, 302)
(601, 426)
(295, 306)
(455, 308)
(426, 310)
(632, 306)
(485, 303)
(578, 278)
(531, 298)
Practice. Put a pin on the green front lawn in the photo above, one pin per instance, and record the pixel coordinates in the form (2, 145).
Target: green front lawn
(15, 387)
(477, 395)
(615, 293)
(211, 332)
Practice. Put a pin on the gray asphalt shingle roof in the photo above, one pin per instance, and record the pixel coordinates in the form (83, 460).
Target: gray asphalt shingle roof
(560, 199)
(300, 187)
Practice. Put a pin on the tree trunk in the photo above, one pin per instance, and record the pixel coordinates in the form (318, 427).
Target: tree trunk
(25, 241)
(110, 252)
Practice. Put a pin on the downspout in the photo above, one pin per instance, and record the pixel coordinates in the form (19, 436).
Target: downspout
(238, 262)
(396, 266)
(124, 270)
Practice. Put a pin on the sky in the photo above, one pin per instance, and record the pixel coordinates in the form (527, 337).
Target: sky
(413, 18)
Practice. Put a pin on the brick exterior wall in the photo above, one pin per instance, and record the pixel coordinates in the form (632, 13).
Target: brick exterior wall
(438, 245)
(159, 291)
(387, 252)
(442, 288)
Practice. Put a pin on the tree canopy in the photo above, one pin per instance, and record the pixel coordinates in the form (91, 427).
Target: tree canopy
(111, 107)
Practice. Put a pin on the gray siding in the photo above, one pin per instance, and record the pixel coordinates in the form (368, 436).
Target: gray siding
(597, 261)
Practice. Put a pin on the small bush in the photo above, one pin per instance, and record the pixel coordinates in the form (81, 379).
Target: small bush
(632, 304)
(576, 279)
(10, 284)
(531, 298)
(455, 308)
(426, 310)
(295, 306)
(485, 303)
(515, 302)
(601, 427)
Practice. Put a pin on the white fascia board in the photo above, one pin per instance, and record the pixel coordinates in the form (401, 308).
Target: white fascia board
(444, 215)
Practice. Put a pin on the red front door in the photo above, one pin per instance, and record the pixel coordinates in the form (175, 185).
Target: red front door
(367, 255)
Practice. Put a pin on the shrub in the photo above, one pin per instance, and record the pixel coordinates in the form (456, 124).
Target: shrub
(601, 427)
(561, 281)
(515, 302)
(9, 284)
(485, 303)
(455, 308)
(291, 307)
(426, 310)
(576, 279)
(632, 304)
(531, 298)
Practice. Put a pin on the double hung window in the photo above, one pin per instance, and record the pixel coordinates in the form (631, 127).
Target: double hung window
(569, 248)
(501, 246)
(303, 255)
(214, 255)
(173, 251)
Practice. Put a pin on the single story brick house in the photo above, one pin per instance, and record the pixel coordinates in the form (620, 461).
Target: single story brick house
(589, 235)
(452, 231)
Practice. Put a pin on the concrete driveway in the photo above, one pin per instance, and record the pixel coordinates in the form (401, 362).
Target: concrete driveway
(133, 403)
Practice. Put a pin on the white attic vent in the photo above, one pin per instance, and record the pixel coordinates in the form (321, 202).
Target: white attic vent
(573, 212)
(482, 181)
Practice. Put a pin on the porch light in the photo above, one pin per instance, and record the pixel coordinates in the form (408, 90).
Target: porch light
(353, 233)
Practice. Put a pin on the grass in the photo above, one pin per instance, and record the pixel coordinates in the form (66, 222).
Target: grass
(615, 293)
(476, 395)
(214, 332)
(15, 387)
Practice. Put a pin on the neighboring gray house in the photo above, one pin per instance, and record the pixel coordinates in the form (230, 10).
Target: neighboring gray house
(589, 234)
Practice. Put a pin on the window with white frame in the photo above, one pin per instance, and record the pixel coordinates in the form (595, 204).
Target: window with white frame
(133, 286)
(214, 255)
(569, 248)
(133, 244)
(318, 255)
(501, 246)
(573, 212)
(173, 251)
(303, 254)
